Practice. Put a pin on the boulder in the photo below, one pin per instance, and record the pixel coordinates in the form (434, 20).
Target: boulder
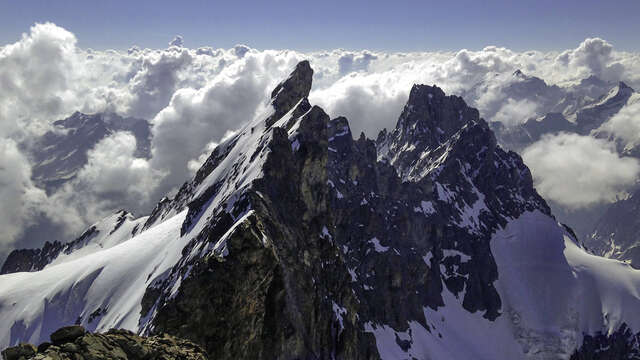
(19, 352)
(67, 334)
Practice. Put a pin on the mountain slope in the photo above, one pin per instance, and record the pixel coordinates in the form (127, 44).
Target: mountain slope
(106, 233)
(294, 240)
(58, 155)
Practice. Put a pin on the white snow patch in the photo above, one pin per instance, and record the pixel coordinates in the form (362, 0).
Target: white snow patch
(339, 312)
(295, 145)
(376, 243)
(354, 276)
(451, 253)
(444, 194)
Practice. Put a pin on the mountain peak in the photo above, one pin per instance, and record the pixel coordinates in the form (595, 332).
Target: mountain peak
(431, 112)
(429, 120)
(623, 86)
(290, 91)
(592, 80)
(420, 91)
(519, 73)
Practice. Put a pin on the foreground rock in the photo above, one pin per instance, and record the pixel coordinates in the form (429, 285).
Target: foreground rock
(73, 342)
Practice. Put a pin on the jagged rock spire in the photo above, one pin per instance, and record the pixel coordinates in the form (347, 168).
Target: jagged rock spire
(430, 110)
(428, 120)
(290, 91)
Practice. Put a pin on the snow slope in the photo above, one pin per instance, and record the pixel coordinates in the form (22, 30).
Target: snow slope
(114, 279)
(553, 292)
(105, 234)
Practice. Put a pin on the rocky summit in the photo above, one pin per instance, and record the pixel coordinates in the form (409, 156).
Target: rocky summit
(74, 343)
(297, 240)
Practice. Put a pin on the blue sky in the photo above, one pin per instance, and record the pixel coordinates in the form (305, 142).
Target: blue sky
(304, 25)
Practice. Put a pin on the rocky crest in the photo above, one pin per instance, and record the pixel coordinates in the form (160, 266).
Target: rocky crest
(72, 342)
(593, 116)
(37, 259)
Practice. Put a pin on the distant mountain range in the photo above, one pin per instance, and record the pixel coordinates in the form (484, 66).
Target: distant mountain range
(582, 109)
(295, 240)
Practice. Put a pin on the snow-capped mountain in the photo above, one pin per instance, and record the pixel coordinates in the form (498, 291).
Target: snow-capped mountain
(59, 154)
(583, 108)
(580, 108)
(294, 240)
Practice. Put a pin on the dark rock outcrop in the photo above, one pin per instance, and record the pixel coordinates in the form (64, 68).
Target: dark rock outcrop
(621, 344)
(67, 334)
(292, 90)
(272, 289)
(336, 232)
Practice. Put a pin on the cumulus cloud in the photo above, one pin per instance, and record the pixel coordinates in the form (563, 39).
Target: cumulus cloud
(352, 62)
(16, 192)
(112, 179)
(24, 205)
(625, 124)
(594, 56)
(241, 50)
(370, 102)
(35, 73)
(515, 112)
(578, 171)
(155, 81)
(113, 170)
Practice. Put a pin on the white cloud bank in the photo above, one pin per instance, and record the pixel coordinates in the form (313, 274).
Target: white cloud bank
(194, 97)
(578, 171)
(625, 124)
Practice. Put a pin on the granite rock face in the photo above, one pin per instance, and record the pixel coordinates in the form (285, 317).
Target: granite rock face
(340, 231)
(272, 286)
